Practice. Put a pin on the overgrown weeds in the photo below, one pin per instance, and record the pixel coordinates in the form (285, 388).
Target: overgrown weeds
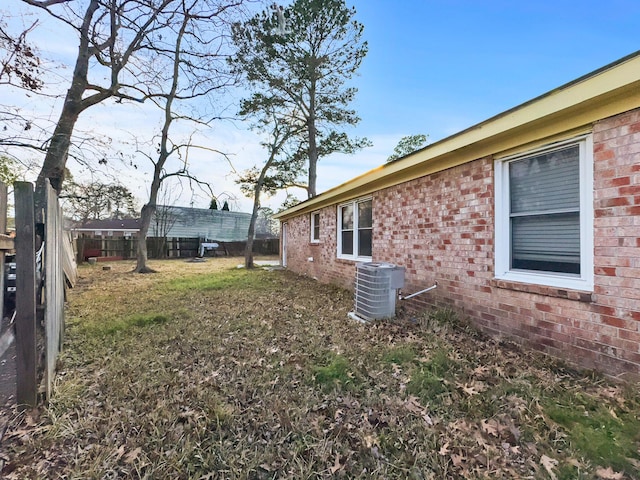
(205, 371)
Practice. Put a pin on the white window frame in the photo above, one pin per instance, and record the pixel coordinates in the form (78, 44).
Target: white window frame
(313, 227)
(584, 280)
(354, 256)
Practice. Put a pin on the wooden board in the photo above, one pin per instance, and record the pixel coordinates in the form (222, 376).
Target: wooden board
(25, 295)
(4, 243)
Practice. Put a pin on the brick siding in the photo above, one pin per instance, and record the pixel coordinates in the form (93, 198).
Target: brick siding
(318, 259)
(441, 229)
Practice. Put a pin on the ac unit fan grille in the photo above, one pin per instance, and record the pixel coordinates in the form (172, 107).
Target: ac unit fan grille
(375, 290)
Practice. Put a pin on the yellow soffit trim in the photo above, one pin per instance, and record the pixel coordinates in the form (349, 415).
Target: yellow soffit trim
(567, 111)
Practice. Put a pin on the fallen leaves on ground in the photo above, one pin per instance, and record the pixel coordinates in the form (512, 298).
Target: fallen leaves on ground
(228, 387)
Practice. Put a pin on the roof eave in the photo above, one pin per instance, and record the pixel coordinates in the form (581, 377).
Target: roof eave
(571, 108)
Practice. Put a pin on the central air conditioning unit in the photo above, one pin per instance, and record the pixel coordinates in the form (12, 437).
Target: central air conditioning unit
(376, 290)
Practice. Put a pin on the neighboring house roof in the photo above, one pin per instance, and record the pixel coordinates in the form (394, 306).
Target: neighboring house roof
(184, 222)
(569, 109)
(132, 224)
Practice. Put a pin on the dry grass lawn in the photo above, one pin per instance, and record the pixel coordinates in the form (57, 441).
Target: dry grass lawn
(204, 371)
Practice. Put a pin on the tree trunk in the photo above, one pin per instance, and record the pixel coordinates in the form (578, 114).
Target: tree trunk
(148, 210)
(248, 250)
(141, 250)
(313, 152)
(56, 158)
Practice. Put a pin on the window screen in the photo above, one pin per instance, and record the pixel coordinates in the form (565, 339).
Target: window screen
(545, 212)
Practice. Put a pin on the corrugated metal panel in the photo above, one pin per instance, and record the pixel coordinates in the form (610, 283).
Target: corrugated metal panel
(203, 223)
(111, 224)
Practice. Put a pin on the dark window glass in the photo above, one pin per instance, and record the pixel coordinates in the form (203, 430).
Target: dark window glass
(347, 242)
(364, 242)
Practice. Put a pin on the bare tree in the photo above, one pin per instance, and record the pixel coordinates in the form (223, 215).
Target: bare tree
(266, 225)
(112, 34)
(281, 169)
(163, 220)
(196, 62)
(20, 69)
(85, 201)
(19, 61)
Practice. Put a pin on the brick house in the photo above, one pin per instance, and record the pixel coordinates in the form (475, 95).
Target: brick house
(529, 222)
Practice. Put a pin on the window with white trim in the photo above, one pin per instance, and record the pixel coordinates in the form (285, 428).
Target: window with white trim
(315, 227)
(544, 216)
(355, 229)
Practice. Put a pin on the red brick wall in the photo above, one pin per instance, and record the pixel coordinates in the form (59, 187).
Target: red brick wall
(318, 260)
(617, 238)
(441, 229)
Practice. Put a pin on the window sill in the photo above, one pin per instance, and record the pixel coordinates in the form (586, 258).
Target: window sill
(566, 293)
(354, 259)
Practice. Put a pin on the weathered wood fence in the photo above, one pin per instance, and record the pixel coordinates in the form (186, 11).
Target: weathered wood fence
(125, 247)
(6, 245)
(45, 265)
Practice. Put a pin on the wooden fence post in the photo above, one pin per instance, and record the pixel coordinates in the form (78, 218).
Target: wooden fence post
(25, 295)
(54, 285)
(3, 230)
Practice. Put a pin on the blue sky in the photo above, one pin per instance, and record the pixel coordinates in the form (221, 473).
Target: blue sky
(438, 67)
(433, 67)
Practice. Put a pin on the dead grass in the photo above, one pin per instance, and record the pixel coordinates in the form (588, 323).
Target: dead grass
(203, 371)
